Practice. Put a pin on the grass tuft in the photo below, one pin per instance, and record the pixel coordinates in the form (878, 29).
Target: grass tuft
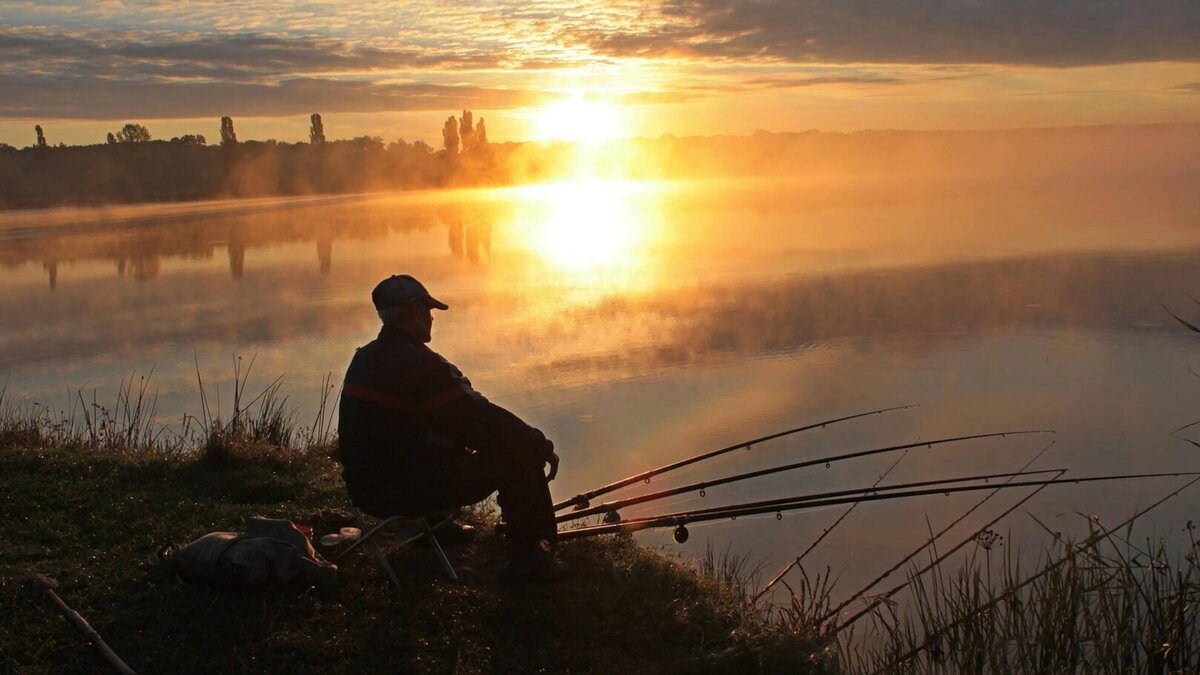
(1102, 605)
(262, 427)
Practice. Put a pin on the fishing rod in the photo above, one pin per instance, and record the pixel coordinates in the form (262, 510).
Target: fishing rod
(614, 506)
(682, 519)
(868, 491)
(583, 499)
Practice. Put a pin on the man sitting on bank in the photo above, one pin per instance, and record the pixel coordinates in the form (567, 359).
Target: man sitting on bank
(416, 437)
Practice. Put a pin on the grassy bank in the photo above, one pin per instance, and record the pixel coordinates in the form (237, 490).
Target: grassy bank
(90, 493)
(92, 518)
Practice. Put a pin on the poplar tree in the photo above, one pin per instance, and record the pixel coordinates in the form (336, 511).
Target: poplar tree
(316, 133)
(467, 131)
(480, 134)
(228, 136)
(450, 136)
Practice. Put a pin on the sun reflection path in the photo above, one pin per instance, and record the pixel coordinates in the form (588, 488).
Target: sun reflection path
(595, 234)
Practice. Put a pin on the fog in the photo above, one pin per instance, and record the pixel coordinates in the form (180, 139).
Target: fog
(161, 171)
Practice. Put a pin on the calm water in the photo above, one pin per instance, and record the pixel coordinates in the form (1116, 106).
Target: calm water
(641, 323)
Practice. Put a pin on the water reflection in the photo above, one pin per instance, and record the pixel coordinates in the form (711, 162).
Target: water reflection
(651, 234)
(325, 253)
(614, 280)
(470, 231)
(138, 247)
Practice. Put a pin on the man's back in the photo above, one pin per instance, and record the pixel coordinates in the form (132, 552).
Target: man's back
(380, 429)
(404, 407)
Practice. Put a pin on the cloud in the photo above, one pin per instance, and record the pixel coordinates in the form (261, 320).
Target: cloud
(793, 82)
(781, 78)
(1058, 33)
(125, 74)
(166, 58)
(233, 56)
(92, 98)
(510, 33)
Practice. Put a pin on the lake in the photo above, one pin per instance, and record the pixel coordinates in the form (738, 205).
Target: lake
(639, 323)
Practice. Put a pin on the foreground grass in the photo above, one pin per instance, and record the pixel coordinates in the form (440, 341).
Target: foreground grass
(93, 519)
(1106, 604)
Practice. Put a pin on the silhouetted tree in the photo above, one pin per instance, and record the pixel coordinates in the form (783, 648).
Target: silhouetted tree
(41, 136)
(368, 142)
(467, 131)
(182, 168)
(480, 134)
(133, 133)
(450, 136)
(316, 134)
(228, 136)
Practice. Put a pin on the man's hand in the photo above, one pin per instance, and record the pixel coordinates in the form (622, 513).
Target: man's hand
(552, 460)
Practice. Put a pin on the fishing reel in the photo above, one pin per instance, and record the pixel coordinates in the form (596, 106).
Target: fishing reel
(611, 517)
(681, 534)
(581, 503)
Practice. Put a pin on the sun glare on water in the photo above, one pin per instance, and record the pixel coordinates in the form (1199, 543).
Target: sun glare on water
(590, 232)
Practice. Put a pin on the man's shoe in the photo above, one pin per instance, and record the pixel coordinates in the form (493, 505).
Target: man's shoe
(535, 565)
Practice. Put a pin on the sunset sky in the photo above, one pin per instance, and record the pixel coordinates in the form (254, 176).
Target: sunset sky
(686, 67)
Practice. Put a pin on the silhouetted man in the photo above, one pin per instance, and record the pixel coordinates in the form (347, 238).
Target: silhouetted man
(416, 437)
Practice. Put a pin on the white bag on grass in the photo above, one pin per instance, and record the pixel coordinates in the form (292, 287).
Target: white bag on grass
(269, 551)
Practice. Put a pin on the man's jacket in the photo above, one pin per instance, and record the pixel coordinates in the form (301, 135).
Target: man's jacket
(403, 406)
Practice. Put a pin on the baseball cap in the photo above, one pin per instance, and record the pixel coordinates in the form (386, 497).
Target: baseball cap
(400, 289)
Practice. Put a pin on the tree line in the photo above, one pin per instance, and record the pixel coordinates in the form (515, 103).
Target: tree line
(133, 166)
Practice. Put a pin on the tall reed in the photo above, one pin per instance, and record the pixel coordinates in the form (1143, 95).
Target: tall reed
(263, 424)
(1101, 605)
(128, 423)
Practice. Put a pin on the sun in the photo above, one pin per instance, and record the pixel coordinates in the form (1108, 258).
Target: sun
(578, 118)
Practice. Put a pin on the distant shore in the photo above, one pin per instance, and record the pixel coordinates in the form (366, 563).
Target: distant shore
(146, 171)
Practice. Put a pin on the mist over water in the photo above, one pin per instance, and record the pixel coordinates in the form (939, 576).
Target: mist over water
(640, 322)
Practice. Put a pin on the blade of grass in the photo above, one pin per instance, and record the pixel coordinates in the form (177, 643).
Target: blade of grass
(1048, 569)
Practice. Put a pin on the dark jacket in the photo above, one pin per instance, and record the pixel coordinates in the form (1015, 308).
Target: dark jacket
(403, 407)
